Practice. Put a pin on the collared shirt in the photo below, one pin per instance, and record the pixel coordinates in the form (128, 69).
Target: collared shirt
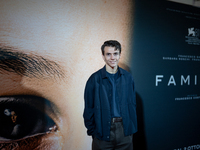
(97, 112)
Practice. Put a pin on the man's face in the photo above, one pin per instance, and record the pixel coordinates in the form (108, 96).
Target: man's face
(47, 51)
(111, 56)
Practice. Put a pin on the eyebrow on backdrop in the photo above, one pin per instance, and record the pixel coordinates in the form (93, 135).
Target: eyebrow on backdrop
(32, 66)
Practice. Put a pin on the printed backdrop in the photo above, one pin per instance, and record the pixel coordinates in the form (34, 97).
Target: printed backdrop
(165, 65)
(48, 50)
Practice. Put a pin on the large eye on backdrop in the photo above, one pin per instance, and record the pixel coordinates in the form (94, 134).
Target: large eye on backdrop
(24, 116)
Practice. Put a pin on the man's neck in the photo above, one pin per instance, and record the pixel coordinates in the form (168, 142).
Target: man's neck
(111, 70)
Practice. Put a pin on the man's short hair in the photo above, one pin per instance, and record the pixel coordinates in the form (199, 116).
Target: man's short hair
(111, 43)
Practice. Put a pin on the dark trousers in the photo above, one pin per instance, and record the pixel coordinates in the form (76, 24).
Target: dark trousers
(117, 140)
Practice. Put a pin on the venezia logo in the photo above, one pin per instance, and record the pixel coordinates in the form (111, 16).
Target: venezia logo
(193, 36)
(191, 32)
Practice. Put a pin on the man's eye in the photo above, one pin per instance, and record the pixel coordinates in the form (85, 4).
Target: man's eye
(20, 118)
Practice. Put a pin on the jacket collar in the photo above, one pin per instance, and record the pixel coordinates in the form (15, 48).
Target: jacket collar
(103, 71)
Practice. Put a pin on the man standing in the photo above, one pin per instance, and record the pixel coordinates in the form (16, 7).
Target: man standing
(110, 104)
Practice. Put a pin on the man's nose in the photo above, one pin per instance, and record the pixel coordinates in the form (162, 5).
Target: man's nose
(112, 56)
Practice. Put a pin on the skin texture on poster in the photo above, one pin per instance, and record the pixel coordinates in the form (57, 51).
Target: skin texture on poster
(48, 49)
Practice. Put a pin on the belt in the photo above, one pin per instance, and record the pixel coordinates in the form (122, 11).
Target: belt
(119, 119)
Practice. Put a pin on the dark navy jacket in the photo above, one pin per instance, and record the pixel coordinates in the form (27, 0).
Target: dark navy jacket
(97, 113)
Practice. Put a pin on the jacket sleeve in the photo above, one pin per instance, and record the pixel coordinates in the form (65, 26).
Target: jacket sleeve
(88, 114)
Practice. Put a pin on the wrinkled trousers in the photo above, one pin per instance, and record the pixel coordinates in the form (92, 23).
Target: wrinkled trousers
(117, 139)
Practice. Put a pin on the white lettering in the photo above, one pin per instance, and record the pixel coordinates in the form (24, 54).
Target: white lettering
(196, 97)
(185, 80)
(171, 81)
(183, 98)
(158, 79)
(193, 147)
(195, 80)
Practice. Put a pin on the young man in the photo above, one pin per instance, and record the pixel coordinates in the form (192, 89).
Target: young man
(110, 105)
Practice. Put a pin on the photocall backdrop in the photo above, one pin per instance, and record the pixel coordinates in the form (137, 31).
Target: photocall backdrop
(48, 50)
(165, 66)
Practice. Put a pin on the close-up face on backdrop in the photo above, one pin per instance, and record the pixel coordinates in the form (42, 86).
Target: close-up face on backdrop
(48, 50)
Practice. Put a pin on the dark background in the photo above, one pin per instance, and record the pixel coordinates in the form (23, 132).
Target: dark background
(163, 122)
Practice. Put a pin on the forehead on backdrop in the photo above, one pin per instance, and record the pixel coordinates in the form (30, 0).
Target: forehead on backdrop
(48, 49)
